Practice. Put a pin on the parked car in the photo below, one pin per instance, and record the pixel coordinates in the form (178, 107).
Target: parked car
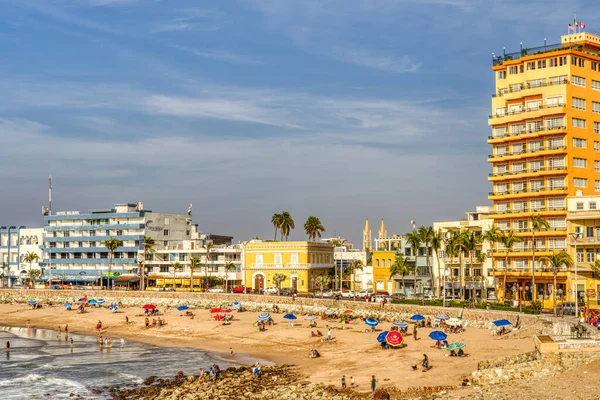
(327, 293)
(364, 293)
(240, 289)
(566, 308)
(287, 292)
(382, 293)
(216, 290)
(271, 290)
(398, 296)
(348, 294)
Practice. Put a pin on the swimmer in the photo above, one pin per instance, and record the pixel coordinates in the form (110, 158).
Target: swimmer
(8, 347)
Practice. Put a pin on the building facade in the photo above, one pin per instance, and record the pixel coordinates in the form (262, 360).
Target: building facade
(299, 262)
(15, 244)
(545, 148)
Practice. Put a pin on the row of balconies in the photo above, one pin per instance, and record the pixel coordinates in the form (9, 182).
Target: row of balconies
(527, 209)
(509, 153)
(525, 190)
(528, 171)
(523, 110)
(515, 88)
(535, 132)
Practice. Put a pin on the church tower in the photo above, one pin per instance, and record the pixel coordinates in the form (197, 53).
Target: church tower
(382, 231)
(367, 237)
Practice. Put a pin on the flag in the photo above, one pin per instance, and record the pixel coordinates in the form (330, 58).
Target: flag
(581, 25)
(571, 27)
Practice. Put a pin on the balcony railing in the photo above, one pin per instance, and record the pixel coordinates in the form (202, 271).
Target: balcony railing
(499, 60)
(524, 109)
(524, 190)
(527, 171)
(292, 266)
(528, 131)
(527, 209)
(509, 153)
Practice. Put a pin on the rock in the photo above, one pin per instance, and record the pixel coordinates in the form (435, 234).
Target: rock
(381, 395)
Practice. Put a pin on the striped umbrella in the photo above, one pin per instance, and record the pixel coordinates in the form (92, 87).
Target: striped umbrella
(100, 301)
(264, 316)
(310, 317)
(394, 338)
(236, 304)
(401, 325)
(68, 305)
(455, 346)
(371, 322)
(441, 317)
(114, 307)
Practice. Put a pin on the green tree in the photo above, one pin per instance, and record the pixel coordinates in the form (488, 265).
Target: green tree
(229, 266)
(31, 257)
(452, 250)
(481, 257)
(33, 275)
(278, 280)
(492, 236)
(148, 245)
(400, 267)
(470, 242)
(414, 241)
(4, 267)
(322, 281)
(276, 220)
(426, 233)
(436, 245)
(508, 240)
(177, 267)
(313, 228)
(208, 247)
(287, 224)
(538, 223)
(555, 262)
(111, 245)
(194, 266)
(352, 268)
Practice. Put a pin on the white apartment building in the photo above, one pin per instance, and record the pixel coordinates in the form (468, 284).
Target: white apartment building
(15, 243)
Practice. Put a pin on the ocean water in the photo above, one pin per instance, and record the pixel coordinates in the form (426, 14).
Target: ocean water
(40, 365)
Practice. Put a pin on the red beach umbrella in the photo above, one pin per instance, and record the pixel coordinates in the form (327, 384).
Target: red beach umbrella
(394, 338)
(149, 307)
(216, 310)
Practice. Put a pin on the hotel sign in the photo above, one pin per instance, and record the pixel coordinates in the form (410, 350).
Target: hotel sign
(67, 213)
(152, 228)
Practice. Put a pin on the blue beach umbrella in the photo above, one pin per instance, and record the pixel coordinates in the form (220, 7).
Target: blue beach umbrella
(68, 305)
(442, 317)
(371, 322)
(100, 301)
(264, 316)
(381, 337)
(32, 302)
(502, 322)
(92, 301)
(417, 317)
(438, 335)
(289, 316)
(401, 325)
(236, 304)
(182, 308)
(114, 307)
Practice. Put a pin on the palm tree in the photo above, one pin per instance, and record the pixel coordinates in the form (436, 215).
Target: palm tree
(31, 257)
(287, 224)
(556, 261)
(461, 244)
(276, 220)
(537, 224)
(400, 267)
(148, 244)
(452, 251)
(33, 275)
(194, 266)
(426, 234)
(469, 243)
(278, 279)
(322, 281)
(313, 228)
(508, 240)
(414, 241)
(208, 247)
(595, 267)
(481, 257)
(176, 268)
(436, 245)
(111, 245)
(492, 236)
(352, 268)
(4, 267)
(229, 266)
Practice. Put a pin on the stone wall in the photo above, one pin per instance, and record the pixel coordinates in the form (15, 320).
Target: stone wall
(390, 312)
(508, 361)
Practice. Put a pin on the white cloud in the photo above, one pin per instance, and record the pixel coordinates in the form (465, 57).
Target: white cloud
(221, 55)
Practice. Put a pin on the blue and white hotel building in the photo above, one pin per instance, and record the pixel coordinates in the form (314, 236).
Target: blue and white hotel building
(73, 241)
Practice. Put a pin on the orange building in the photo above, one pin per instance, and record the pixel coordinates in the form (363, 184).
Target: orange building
(545, 147)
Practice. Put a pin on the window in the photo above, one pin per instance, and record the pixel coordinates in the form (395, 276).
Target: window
(500, 131)
(518, 167)
(513, 70)
(557, 223)
(501, 150)
(515, 109)
(556, 243)
(165, 232)
(556, 203)
(578, 81)
(501, 74)
(520, 225)
(592, 207)
(92, 244)
(502, 188)
(502, 207)
(596, 107)
(556, 183)
(579, 162)
(558, 80)
(520, 186)
(119, 233)
(589, 255)
(581, 143)
(537, 204)
(518, 148)
(595, 85)
(536, 165)
(580, 182)
(594, 66)
(541, 64)
(596, 166)
(536, 145)
(579, 255)
(536, 185)
(555, 143)
(596, 146)
(536, 83)
(554, 101)
(515, 87)
(519, 205)
(578, 103)
(555, 122)
(596, 127)
(597, 186)
(534, 126)
(166, 221)
(578, 123)
(517, 129)
(500, 111)
(259, 259)
(502, 169)
(530, 66)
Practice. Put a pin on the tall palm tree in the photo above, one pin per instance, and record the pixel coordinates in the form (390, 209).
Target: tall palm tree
(148, 244)
(452, 251)
(556, 261)
(537, 224)
(229, 266)
(278, 280)
(276, 220)
(176, 268)
(469, 243)
(194, 266)
(414, 241)
(508, 240)
(400, 267)
(208, 247)
(31, 257)
(111, 245)
(426, 234)
(33, 275)
(461, 244)
(492, 236)
(481, 257)
(436, 245)
(4, 267)
(352, 268)
(322, 281)
(313, 228)
(287, 224)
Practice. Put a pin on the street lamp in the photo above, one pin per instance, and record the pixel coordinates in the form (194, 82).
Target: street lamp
(575, 236)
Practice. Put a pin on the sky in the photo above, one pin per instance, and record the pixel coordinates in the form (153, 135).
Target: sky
(341, 109)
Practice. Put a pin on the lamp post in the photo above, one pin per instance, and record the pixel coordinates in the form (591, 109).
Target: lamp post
(575, 236)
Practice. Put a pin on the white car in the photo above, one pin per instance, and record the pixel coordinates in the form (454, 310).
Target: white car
(216, 290)
(271, 290)
(363, 293)
(348, 294)
(379, 298)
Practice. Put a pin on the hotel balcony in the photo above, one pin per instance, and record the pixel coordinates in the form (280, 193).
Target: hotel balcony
(524, 134)
(526, 212)
(291, 266)
(526, 173)
(540, 272)
(508, 117)
(542, 151)
(527, 193)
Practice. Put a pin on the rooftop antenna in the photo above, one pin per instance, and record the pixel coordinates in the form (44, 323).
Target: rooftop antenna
(49, 194)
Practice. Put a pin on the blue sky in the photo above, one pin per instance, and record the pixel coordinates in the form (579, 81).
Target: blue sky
(343, 109)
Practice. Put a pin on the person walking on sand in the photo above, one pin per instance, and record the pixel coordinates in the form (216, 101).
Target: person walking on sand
(66, 329)
(351, 381)
(373, 383)
(343, 381)
(329, 334)
(415, 332)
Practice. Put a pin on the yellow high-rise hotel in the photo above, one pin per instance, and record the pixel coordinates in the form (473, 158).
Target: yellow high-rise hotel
(545, 150)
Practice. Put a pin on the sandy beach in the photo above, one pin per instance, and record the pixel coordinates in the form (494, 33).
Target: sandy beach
(353, 353)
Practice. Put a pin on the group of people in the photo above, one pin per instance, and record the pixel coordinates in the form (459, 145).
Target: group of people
(152, 312)
(314, 353)
(352, 383)
(214, 372)
(459, 353)
(155, 322)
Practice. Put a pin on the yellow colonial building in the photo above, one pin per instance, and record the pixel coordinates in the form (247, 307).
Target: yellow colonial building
(382, 261)
(300, 262)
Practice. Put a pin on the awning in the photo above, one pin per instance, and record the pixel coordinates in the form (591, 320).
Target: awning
(126, 280)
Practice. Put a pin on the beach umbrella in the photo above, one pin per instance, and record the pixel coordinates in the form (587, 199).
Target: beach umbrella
(289, 316)
(226, 311)
(114, 307)
(215, 310)
(236, 304)
(68, 305)
(92, 301)
(454, 321)
(502, 322)
(329, 311)
(32, 302)
(149, 307)
(442, 317)
(394, 338)
(264, 316)
(381, 337)
(182, 308)
(348, 312)
(310, 317)
(371, 322)
(417, 317)
(83, 300)
(401, 325)
(455, 346)
(438, 335)
(100, 301)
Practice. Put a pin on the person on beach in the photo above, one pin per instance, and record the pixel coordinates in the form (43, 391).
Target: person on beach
(351, 381)
(59, 330)
(343, 381)
(147, 322)
(201, 376)
(373, 383)
(415, 332)
(126, 319)
(72, 342)
(425, 361)
(329, 334)
(231, 352)
(8, 347)
(66, 329)
(98, 326)
(217, 372)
